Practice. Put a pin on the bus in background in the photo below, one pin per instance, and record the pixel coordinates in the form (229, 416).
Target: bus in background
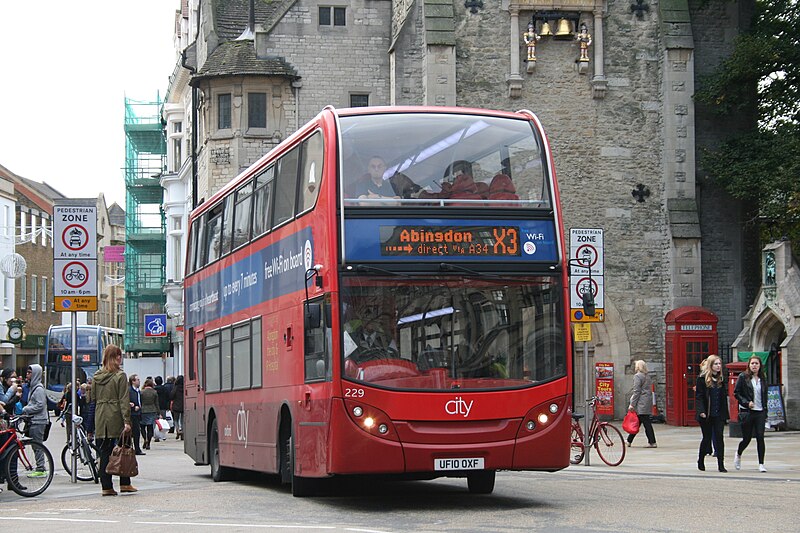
(92, 340)
(385, 292)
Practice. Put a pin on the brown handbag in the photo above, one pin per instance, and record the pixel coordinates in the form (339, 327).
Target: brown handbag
(122, 462)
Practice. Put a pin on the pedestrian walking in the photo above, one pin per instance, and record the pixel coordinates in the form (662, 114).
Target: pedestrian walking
(136, 412)
(711, 408)
(111, 396)
(751, 393)
(37, 410)
(168, 386)
(149, 411)
(177, 407)
(642, 403)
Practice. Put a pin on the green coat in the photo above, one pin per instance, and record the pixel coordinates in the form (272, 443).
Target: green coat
(113, 409)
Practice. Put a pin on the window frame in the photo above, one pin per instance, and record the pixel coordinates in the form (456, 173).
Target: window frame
(257, 129)
(228, 107)
(332, 13)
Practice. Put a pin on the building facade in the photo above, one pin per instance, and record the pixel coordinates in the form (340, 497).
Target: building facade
(612, 83)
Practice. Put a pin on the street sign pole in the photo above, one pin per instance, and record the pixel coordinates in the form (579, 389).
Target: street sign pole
(74, 396)
(75, 286)
(586, 436)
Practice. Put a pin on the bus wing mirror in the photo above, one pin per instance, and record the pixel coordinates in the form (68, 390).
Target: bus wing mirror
(313, 317)
(327, 309)
(588, 303)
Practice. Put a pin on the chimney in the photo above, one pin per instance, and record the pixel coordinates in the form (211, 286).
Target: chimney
(249, 32)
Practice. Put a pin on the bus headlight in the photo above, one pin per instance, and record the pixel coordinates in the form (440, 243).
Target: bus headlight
(553, 408)
(531, 425)
(370, 419)
(543, 418)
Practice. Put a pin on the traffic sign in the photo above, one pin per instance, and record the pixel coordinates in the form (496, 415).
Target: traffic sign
(579, 285)
(75, 257)
(586, 245)
(74, 232)
(583, 332)
(586, 250)
(155, 325)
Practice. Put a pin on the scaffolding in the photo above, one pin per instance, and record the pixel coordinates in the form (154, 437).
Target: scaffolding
(145, 227)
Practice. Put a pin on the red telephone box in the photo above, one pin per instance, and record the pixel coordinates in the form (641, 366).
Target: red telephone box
(691, 337)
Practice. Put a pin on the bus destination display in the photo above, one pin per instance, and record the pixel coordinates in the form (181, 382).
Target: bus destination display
(444, 241)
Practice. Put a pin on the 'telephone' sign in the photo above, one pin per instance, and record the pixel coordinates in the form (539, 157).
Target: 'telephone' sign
(75, 257)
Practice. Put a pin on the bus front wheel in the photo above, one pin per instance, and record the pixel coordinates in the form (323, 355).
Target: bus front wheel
(481, 482)
(301, 486)
(218, 472)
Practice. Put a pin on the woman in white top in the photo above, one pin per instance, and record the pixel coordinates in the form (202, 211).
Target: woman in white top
(751, 393)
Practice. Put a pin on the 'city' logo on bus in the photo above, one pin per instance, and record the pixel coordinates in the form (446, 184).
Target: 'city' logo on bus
(459, 406)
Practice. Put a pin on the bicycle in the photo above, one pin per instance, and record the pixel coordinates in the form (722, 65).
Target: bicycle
(19, 453)
(87, 461)
(604, 436)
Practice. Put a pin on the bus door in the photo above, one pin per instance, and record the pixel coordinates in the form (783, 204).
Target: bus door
(313, 415)
(194, 401)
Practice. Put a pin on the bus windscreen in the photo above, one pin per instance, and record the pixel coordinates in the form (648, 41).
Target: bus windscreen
(453, 332)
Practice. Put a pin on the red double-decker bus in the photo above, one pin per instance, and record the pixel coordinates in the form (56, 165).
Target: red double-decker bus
(385, 292)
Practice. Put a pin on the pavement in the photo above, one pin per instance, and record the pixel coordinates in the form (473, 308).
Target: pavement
(677, 450)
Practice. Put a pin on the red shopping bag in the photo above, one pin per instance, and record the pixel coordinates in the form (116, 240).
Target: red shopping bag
(631, 423)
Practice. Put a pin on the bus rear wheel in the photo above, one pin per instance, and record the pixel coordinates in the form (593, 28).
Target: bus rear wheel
(481, 482)
(218, 472)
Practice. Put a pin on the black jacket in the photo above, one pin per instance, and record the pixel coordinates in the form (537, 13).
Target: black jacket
(136, 401)
(702, 400)
(745, 394)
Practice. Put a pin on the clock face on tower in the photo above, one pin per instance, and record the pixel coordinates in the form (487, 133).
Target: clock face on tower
(14, 333)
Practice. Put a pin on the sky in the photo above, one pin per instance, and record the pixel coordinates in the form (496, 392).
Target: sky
(65, 70)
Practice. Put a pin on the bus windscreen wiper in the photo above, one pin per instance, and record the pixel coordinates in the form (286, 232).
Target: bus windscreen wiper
(369, 268)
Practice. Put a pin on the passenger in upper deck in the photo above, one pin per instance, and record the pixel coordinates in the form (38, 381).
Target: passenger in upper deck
(463, 186)
(373, 184)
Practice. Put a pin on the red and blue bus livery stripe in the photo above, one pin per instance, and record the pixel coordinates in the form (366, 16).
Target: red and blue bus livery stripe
(274, 271)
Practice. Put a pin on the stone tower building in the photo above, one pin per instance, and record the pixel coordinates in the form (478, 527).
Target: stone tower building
(615, 99)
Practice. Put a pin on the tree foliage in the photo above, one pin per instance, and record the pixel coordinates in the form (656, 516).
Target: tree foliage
(762, 76)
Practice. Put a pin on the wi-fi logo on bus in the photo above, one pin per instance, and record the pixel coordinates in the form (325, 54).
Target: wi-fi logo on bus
(308, 255)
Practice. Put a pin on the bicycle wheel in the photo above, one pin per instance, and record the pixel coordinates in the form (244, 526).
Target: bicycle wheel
(576, 447)
(609, 444)
(29, 469)
(87, 462)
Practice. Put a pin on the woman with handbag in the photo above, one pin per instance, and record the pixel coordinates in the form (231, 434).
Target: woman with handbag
(711, 407)
(642, 403)
(112, 414)
(751, 393)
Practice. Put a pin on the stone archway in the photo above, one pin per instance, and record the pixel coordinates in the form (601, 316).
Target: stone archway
(609, 343)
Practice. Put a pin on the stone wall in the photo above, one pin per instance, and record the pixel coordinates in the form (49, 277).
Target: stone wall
(335, 62)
